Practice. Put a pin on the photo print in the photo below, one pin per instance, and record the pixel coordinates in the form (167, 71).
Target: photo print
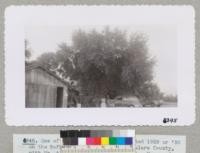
(100, 65)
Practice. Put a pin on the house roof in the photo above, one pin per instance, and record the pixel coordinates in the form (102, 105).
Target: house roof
(36, 66)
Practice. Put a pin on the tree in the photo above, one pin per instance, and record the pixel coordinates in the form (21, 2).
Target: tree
(27, 52)
(106, 63)
(170, 98)
(110, 63)
(60, 62)
(149, 92)
(48, 60)
(65, 55)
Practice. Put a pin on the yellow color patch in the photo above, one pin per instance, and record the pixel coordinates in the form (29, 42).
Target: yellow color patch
(105, 140)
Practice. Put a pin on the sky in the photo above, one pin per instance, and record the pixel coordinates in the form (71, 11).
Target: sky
(162, 44)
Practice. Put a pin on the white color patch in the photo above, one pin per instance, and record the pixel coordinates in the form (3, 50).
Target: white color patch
(81, 141)
(17, 17)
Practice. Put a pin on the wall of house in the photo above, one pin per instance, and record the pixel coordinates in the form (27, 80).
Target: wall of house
(41, 89)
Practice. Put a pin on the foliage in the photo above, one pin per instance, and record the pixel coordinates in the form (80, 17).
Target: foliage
(107, 63)
(150, 92)
(27, 52)
(170, 98)
(48, 60)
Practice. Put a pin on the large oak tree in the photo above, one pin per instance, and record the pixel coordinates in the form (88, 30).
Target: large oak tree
(107, 63)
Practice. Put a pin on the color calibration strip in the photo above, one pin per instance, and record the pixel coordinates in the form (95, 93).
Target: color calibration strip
(97, 137)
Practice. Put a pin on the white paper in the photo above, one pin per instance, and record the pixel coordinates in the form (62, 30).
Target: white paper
(17, 18)
(51, 143)
(160, 144)
(36, 143)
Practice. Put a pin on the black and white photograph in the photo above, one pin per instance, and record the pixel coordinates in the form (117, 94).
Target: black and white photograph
(99, 65)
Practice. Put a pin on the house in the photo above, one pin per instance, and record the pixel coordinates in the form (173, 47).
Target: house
(44, 89)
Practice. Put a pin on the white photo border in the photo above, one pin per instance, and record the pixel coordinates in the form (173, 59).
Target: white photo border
(16, 17)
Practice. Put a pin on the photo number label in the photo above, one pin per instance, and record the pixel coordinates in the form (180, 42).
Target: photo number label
(170, 120)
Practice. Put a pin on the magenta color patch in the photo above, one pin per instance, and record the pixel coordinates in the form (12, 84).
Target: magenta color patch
(89, 141)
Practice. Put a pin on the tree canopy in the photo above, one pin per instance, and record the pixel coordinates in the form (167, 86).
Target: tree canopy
(105, 63)
(27, 52)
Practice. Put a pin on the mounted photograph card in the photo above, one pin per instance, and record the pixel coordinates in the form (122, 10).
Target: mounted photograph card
(99, 65)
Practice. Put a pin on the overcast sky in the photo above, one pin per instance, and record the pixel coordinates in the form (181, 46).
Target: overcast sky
(162, 43)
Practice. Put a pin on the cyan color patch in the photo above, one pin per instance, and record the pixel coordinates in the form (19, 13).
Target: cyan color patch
(121, 140)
